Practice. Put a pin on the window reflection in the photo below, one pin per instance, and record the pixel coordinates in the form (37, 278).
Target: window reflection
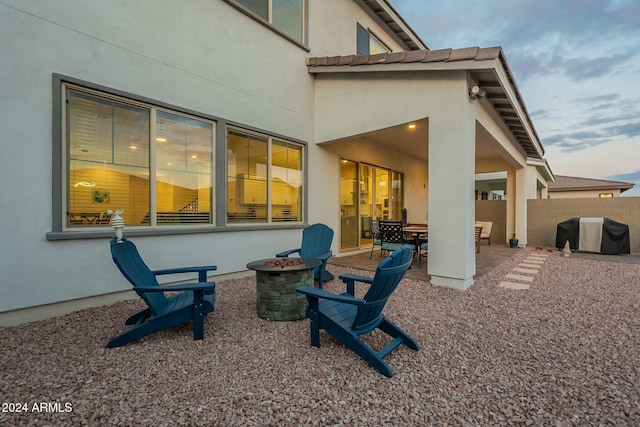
(263, 188)
(109, 152)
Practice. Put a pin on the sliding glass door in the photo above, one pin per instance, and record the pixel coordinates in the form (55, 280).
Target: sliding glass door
(367, 192)
(349, 207)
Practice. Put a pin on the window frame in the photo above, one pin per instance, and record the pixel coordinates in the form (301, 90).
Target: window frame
(270, 138)
(58, 230)
(364, 35)
(267, 22)
(152, 166)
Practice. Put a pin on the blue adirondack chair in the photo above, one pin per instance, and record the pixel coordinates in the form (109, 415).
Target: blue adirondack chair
(192, 303)
(346, 317)
(316, 243)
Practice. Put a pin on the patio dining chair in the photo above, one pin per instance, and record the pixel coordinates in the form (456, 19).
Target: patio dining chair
(392, 237)
(486, 230)
(374, 226)
(478, 237)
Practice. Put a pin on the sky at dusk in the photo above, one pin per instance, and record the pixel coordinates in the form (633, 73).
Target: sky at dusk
(576, 63)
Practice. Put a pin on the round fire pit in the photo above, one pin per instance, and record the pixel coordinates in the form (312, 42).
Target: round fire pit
(276, 283)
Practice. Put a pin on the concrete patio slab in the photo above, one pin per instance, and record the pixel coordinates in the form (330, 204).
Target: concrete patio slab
(488, 258)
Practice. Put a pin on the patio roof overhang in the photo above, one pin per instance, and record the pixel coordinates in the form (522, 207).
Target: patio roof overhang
(486, 67)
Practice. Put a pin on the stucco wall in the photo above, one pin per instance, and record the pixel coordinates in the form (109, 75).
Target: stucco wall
(337, 21)
(496, 212)
(205, 57)
(545, 214)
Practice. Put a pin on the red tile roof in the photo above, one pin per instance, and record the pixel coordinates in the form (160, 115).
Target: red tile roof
(405, 57)
(566, 183)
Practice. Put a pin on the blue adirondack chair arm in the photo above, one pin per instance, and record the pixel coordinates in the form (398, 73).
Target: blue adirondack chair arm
(201, 270)
(206, 287)
(351, 279)
(355, 278)
(315, 293)
(285, 254)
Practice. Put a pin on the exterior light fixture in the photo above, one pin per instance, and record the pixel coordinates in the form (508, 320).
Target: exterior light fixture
(476, 92)
(118, 223)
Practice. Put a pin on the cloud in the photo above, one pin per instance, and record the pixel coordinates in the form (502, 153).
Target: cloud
(576, 141)
(633, 177)
(626, 177)
(628, 130)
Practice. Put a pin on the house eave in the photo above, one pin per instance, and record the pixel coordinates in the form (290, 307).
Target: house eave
(487, 67)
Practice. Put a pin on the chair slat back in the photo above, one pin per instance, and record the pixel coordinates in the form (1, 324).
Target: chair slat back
(316, 240)
(391, 231)
(125, 255)
(477, 235)
(388, 274)
(375, 228)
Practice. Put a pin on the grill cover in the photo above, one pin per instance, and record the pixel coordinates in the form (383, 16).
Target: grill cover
(615, 236)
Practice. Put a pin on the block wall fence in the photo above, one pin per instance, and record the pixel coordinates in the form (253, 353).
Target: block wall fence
(543, 215)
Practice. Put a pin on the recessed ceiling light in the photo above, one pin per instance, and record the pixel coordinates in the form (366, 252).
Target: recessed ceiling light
(412, 126)
(133, 147)
(161, 139)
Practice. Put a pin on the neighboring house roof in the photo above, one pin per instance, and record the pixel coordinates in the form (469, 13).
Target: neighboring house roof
(573, 183)
(387, 15)
(501, 90)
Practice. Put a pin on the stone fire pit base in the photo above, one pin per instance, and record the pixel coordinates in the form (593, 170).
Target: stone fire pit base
(277, 298)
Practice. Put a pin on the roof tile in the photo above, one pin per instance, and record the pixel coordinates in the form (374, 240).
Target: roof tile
(488, 53)
(395, 57)
(360, 60)
(437, 55)
(378, 58)
(464, 54)
(346, 60)
(440, 55)
(563, 182)
(415, 56)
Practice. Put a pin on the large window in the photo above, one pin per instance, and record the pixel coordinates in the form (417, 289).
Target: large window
(154, 163)
(264, 178)
(285, 15)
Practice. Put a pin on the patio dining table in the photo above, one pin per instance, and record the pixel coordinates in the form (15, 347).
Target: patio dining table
(419, 233)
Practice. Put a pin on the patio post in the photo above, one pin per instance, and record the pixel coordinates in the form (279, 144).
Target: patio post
(452, 132)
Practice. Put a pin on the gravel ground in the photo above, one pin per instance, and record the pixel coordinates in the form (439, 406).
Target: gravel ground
(565, 352)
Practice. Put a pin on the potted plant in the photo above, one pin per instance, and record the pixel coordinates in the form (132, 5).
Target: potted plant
(513, 242)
